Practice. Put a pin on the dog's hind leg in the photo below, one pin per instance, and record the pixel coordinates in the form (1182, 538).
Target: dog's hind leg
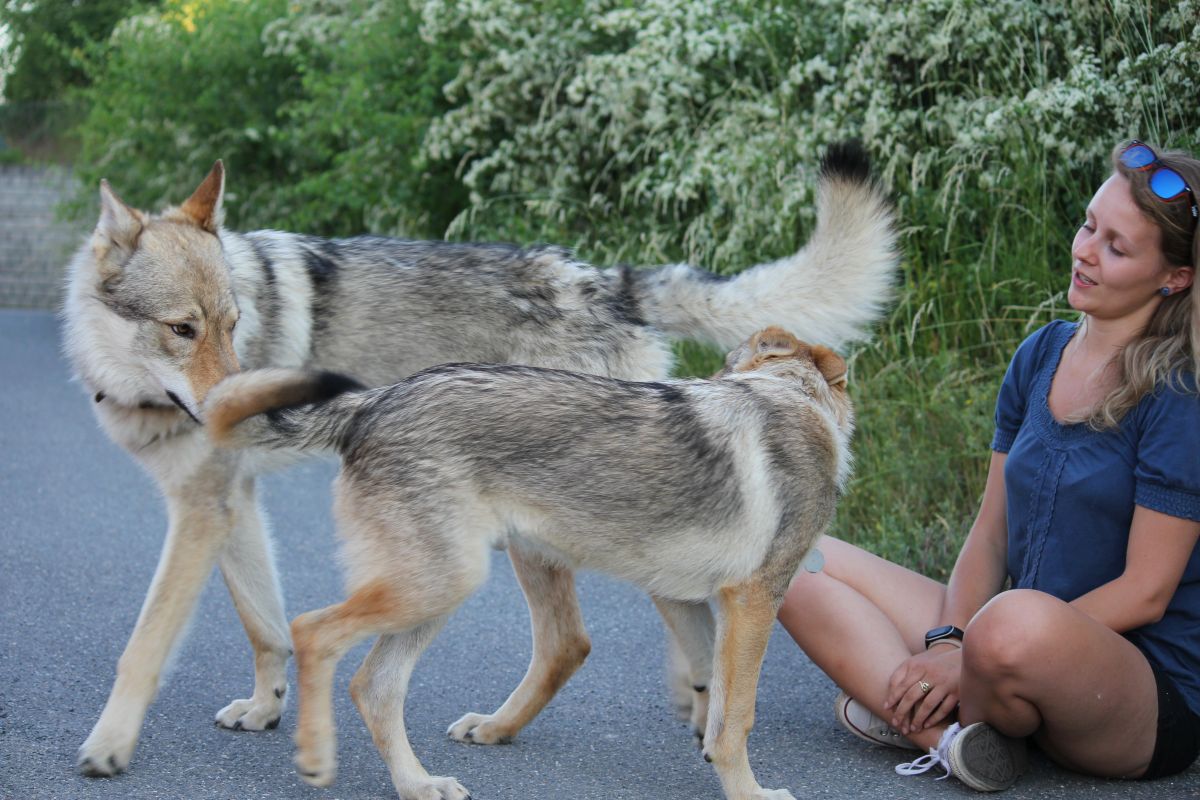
(691, 659)
(379, 689)
(322, 637)
(560, 645)
(198, 527)
(249, 572)
(746, 614)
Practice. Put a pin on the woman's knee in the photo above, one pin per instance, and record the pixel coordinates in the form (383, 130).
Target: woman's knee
(1011, 633)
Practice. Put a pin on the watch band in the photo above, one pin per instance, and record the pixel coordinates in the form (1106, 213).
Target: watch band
(942, 633)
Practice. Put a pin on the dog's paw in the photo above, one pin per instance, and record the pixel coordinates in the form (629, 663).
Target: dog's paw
(106, 752)
(252, 715)
(480, 729)
(317, 763)
(436, 788)
(771, 794)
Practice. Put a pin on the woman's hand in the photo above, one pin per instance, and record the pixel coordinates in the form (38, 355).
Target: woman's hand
(913, 708)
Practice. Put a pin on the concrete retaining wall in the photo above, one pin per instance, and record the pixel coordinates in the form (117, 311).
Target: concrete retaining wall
(34, 243)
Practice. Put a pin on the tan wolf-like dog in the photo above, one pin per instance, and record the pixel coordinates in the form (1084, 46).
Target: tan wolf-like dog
(161, 307)
(691, 490)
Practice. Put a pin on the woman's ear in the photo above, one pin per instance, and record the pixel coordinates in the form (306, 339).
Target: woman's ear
(1181, 278)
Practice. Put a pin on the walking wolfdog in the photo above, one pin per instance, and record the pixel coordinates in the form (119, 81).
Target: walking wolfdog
(161, 307)
(689, 489)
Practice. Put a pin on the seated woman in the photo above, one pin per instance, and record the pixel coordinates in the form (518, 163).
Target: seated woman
(1091, 509)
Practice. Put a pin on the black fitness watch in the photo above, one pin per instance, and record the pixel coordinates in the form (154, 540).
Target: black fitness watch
(941, 634)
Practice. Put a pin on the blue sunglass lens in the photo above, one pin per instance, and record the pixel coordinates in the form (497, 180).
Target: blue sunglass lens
(1167, 183)
(1138, 156)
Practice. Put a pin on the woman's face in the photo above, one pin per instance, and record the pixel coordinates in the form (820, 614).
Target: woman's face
(1118, 267)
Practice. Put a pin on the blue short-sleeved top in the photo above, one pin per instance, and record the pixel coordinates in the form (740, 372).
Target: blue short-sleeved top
(1071, 492)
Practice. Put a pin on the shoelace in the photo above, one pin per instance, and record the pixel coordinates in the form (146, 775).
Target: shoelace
(936, 757)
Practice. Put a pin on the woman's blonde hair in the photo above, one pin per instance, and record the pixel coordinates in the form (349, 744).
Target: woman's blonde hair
(1170, 345)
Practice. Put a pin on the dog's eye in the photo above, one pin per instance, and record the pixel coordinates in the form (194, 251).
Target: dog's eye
(184, 330)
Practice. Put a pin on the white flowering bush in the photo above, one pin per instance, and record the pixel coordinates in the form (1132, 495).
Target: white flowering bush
(581, 113)
(704, 116)
(659, 130)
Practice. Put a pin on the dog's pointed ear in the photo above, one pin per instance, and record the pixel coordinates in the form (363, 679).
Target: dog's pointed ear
(119, 223)
(204, 207)
(775, 342)
(117, 231)
(830, 364)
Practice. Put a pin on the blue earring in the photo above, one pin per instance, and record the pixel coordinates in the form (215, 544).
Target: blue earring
(1165, 291)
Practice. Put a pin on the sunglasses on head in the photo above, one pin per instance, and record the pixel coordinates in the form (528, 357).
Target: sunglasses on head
(1166, 183)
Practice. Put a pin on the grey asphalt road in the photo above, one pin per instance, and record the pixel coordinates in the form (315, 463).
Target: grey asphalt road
(80, 530)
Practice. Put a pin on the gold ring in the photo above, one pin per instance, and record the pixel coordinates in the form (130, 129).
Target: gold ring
(926, 687)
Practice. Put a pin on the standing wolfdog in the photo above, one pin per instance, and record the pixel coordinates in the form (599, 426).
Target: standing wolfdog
(690, 489)
(161, 307)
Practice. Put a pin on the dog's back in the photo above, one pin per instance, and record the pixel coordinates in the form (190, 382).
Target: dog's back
(380, 308)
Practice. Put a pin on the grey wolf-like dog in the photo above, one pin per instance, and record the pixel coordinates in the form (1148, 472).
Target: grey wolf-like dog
(160, 308)
(691, 490)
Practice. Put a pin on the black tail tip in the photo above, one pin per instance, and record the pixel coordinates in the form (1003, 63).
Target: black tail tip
(846, 160)
(329, 385)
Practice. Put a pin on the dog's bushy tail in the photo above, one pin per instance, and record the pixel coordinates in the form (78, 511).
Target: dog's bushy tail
(831, 291)
(281, 408)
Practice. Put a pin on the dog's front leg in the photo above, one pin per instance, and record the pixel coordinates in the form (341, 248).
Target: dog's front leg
(691, 659)
(249, 572)
(747, 612)
(198, 525)
(560, 645)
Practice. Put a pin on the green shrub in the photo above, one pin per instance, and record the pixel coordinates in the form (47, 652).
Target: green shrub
(318, 110)
(371, 85)
(177, 88)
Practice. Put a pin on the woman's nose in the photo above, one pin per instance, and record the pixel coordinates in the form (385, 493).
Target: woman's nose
(1084, 247)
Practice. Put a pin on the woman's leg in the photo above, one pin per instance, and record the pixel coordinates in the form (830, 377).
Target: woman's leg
(1034, 665)
(859, 618)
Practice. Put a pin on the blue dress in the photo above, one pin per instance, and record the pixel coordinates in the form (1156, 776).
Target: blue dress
(1071, 493)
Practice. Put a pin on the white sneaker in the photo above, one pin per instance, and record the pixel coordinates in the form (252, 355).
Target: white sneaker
(978, 755)
(858, 719)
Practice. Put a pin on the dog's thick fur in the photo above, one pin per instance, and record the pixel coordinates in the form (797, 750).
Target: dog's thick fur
(149, 325)
(689, 489)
